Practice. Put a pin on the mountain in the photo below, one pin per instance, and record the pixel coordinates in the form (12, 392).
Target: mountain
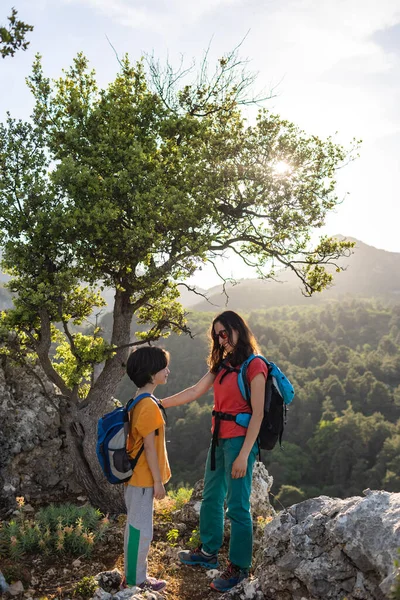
(370, 273)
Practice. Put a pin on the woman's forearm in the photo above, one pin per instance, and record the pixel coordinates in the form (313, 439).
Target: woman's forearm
(251, 434)
(191, 393)
(257, 388)
(183, 397)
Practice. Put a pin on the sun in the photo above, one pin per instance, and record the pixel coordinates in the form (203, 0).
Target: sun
(281, 168)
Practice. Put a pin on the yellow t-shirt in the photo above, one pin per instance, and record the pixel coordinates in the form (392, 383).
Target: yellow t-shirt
(144, 418)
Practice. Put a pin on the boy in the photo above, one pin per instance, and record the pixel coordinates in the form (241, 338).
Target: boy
(147, 367)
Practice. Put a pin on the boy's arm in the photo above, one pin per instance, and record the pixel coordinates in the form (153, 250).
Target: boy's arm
(191, 393)
(152, 461)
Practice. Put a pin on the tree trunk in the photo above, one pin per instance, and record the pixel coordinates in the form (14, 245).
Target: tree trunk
(81, 431)
(80, 421)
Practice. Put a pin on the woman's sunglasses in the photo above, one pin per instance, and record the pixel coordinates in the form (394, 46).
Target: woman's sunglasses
(223, 334)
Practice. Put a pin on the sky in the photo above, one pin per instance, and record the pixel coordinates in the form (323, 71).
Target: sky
(333, 66)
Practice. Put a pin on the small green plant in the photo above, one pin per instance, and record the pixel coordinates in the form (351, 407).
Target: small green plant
(180, 496)
(85, 588)
(172, 537)
(194, 540)
(60, 529)
(395, 591)
(174, 500)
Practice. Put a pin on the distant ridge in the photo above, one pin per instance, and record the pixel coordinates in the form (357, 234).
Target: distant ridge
(370, 273)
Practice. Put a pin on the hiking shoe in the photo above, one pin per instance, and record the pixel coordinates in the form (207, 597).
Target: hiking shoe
(229, 578)
(153, 584)
(197, 557)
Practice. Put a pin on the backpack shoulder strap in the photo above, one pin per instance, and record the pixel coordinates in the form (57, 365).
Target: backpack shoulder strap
(242, 377)
(133, 401)
(227, 368)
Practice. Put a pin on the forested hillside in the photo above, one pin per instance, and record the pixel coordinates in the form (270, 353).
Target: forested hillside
(343, 432)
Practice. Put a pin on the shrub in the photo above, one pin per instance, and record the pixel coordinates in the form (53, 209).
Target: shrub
(86, 587)
(288, 495)
(174, 500)
(63, 528)
(180, 496)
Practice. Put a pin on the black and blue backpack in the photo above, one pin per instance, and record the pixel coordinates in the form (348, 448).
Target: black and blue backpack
(279, 393)
(112, 434)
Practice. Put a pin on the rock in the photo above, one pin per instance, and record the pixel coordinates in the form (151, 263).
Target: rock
(181, 527)
(16, 588)
(32, 455)
(131, 592)
(331, 548)
(9, 489)
(212, 573)
(190, 512)
(76, 563)
(101, 594)
(248, 589)
(82, 498)
(51, 572)
(261, 485)
(109, 580)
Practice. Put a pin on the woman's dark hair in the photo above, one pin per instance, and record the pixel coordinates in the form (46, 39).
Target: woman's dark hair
(145, 362)
(245, 346)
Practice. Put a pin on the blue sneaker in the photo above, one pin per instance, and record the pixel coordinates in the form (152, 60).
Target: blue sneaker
(197, 557)
(229, 578)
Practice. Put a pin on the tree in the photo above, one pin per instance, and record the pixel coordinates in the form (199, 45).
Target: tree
(14, 37)
(134, 187)
(289, 495)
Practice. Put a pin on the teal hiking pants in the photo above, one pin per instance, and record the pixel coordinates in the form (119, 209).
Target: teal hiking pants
(218, 486)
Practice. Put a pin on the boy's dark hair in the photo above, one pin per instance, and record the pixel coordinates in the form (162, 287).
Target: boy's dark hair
(145, 362)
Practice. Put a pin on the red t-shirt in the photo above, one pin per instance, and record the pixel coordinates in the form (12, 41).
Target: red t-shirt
(228, 399)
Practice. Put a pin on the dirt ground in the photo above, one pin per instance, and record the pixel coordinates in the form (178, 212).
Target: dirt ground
(55, 577)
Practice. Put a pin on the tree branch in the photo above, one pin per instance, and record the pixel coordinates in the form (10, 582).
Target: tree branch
(195, 291)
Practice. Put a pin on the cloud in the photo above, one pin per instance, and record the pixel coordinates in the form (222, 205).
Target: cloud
(153, 16)
(315, 35)
(333, 73)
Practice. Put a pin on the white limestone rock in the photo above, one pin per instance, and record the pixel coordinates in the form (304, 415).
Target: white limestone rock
(331, 548)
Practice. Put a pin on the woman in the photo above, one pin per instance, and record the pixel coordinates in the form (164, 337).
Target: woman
(230, 461)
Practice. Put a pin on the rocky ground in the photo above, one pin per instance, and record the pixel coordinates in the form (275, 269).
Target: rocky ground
(56, 577)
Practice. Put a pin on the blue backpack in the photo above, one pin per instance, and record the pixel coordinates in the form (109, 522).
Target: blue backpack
(279, 392)
(112, 434)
